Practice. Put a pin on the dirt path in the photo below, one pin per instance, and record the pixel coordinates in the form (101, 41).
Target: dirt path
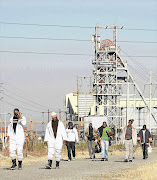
(78, 169)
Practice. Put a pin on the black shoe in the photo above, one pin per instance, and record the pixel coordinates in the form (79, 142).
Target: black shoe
(94, 157)
(125, 160)
(19, 165)
(144, 158)
(13, 167)
(106, 159)
(49, 165)
(133, 157)
(130, 160)
(102, 159)
(57, 164)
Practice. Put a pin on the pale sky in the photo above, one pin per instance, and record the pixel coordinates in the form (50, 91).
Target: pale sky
(46, 79)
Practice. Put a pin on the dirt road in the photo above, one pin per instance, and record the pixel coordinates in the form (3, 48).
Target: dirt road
(78, 169)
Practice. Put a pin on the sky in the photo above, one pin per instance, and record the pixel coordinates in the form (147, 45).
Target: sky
(46, 79)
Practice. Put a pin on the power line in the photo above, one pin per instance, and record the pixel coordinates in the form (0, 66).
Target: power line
(139, 64)
(56, 53)
(45, 53)
(10, 84)
(144, 77)
(47, 25)
(144, 42)
(20, 106)
(68, 39)
(38, 38)
(132, 29)
(142, 56)
(70, 26)
(21, 101)
(25, 98)
(154, 91)
(143, 95)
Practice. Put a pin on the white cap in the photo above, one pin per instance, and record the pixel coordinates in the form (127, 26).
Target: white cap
(53, 114)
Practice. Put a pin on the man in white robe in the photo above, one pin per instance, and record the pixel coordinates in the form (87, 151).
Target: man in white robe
(54, 136)
(16, 138)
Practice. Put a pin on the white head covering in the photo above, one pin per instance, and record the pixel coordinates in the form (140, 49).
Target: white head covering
(53, 114)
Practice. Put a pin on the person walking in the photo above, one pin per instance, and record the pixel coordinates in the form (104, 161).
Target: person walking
(16, 138)
(91, 134)
(134, 146)
(129, 138)
(104, 131)
(144, 135)
(54, 136)
(72, 137)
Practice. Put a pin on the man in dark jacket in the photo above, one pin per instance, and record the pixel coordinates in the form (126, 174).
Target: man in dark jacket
(91, 134)
(144, 135)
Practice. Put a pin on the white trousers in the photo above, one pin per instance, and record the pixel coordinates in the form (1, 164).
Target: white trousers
(13, 146)
(128, 149)
(104, 148)
(52, 151)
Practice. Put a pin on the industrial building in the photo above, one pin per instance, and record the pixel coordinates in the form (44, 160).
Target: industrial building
(112, 91)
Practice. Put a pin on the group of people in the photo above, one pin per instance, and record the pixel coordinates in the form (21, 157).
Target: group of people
(103, 133)
(56, 135)
(129, 138)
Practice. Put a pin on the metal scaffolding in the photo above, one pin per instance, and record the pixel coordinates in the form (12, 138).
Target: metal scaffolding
(112, 79)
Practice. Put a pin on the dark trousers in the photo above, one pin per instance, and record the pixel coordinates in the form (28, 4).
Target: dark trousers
(71, 146)
(145, 150)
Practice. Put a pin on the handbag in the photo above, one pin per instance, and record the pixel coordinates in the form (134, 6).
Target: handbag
(149, 149)
(97, 148)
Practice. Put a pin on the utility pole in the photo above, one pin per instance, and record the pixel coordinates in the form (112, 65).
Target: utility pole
(5, 126)
(96, 49)
(48, 112)
(78, 98)
(59, 114)
(48, 115)
(1, 91)
(43, 121)
(150, 98)
(134, 106)
(149, 106)
(31, 127)
(127, 102)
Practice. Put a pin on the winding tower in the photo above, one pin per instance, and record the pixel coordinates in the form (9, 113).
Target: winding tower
(112, 79)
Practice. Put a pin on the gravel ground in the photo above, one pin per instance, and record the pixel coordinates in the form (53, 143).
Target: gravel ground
(78, 169)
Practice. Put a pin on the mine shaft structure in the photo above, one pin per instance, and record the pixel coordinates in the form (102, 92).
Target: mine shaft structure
(112, 79)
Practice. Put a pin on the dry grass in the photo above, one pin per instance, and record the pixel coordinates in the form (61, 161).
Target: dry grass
(40, 154)
(6, 162)
(32, 157)
(142, 172)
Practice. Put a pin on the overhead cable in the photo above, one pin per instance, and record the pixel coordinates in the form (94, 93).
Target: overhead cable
(139, 64)
(57, 53)
(20, 106)
(144, 77)
(69, 39)
(22, 101)
(25, 98)
(70, 26)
